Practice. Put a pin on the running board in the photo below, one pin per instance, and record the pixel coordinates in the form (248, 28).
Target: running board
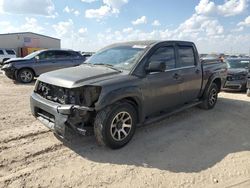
(167, 114)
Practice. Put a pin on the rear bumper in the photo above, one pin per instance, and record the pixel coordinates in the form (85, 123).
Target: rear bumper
(53, 115)
(237, 85)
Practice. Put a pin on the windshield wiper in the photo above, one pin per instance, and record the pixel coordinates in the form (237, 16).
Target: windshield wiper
(109, 66)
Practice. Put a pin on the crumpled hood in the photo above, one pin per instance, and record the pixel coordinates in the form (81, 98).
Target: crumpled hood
(237, 71)
(15, 60)
(78, 76)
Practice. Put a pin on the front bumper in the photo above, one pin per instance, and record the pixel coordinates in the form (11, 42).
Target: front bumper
(236, 85)
(9, 72)
(53, 115)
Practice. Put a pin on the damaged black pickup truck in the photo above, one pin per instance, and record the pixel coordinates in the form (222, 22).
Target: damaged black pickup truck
(126, 85)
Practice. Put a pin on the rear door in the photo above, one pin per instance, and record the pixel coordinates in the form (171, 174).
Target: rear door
(161, 89)
(67, 59)
(189, 72)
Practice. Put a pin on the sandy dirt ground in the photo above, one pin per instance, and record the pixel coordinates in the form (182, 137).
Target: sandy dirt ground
(194, 148)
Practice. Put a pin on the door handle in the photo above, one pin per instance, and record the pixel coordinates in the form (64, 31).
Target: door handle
(197, 71)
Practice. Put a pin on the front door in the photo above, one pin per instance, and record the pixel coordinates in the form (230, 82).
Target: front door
(161, 89)
(47, 62)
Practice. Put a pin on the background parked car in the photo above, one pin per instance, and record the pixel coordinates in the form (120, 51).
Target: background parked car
(87, 54)
(25, 69)
(237, 74)
(6, 54)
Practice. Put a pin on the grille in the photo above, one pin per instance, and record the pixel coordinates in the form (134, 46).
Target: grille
(52, 93)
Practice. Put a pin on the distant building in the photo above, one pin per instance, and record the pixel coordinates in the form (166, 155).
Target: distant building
(26, 42)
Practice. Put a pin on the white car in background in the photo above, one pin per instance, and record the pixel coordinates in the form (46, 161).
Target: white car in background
(6, 54)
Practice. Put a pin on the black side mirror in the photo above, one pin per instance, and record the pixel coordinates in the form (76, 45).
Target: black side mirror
(156, 66)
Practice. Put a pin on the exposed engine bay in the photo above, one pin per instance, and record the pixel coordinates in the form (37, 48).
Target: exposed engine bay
(83, 96)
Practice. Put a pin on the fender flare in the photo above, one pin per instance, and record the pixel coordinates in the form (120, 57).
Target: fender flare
(211, 79)
(110, 98)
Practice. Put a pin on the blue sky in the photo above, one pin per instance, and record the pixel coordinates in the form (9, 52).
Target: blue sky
(87, 25)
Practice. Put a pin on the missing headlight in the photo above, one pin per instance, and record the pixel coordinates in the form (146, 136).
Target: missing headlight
(89, 95)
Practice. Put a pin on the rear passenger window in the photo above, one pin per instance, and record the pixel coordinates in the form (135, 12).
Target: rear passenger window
(63, 54)
(1, 52)
(186, 55)
(166, 55)
(10, 52)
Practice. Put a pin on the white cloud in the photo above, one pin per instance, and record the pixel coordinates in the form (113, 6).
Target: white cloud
(115, 4)
(110, 7)
(71, 10)
(199, 24)
(88, 1)
(232, 7)
(98, 13)
(30, 25)
(35, 7)
(241, 28)
(1, 6)
(205, 7)
(67, 9)
(229, 8)
(64, 28)
(83, 30)
(141, 20)
(246, 22)
(127, 30)
(71, 37)
(76, 13)
(156, 23)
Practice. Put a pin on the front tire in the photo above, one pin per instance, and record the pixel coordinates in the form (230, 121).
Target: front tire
(210, 97)
(25, 75)
(115, 125)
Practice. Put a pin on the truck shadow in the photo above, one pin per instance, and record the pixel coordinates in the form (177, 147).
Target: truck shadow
(190, 141)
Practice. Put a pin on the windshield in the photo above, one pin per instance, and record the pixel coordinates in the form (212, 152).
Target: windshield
(238, 63)
(122, 57)
(30, 56)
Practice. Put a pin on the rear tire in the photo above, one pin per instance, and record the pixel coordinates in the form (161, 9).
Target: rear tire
(25, 76)
(210, 97)
(115, 125)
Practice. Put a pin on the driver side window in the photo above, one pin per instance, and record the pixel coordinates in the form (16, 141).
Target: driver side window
(166, 55)
(47, 55)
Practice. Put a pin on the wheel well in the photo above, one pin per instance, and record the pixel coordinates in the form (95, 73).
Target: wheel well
(135, 104)
(217, 81)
